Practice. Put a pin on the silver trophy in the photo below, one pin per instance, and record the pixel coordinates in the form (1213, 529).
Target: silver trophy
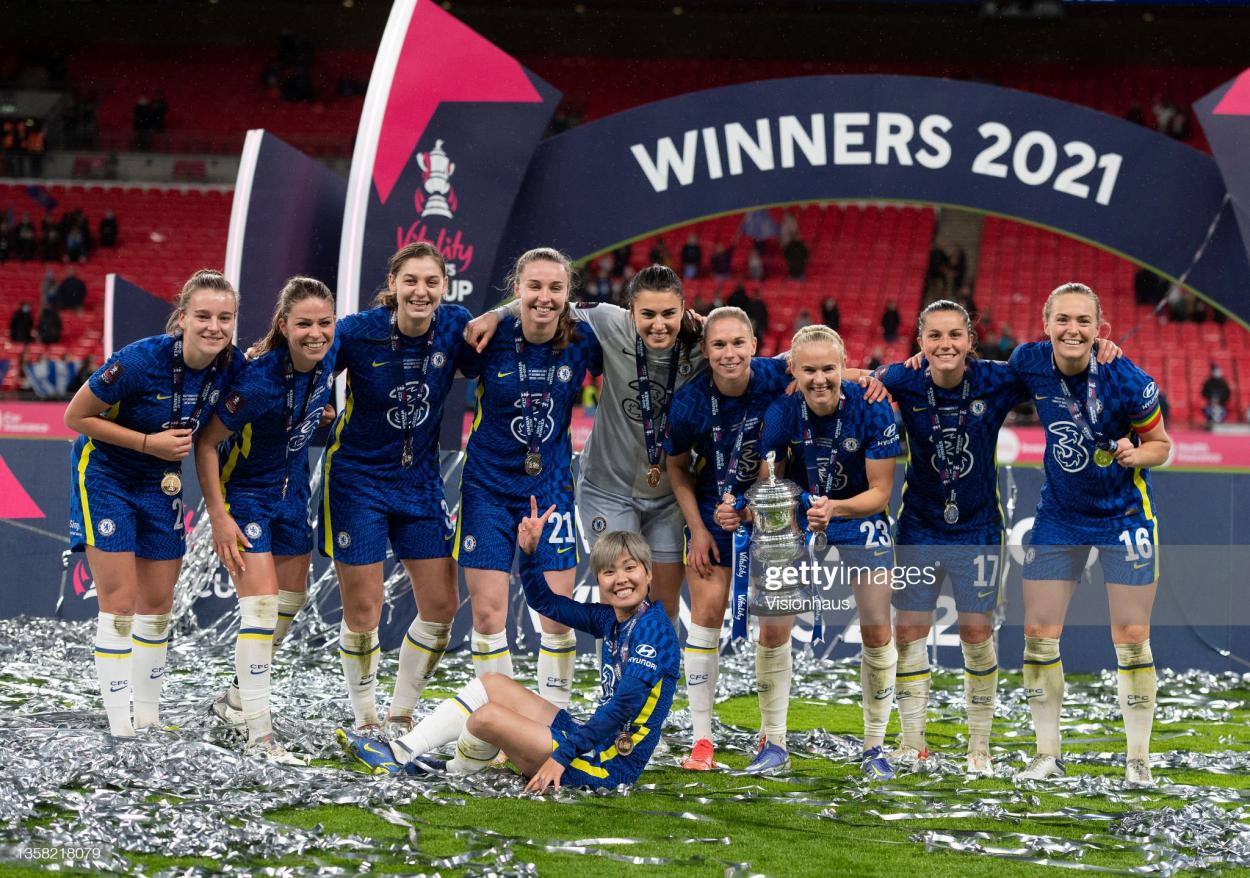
(438, 169)
(777, 543)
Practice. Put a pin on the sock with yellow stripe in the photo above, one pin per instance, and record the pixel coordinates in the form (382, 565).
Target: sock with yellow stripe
(911, 691)
(419, 656)
(150, 641)
(289, 604)
(112, 667)
(490, 653)
(472, 754)
(702, 655)
(774, 668)
(980, 691)
(358, 654)
(556, 655)
(253, 653)
(878, 666)
(1137, 684)
(1043, 687)
(443, 725)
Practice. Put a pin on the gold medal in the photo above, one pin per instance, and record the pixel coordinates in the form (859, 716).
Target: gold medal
(625, 743)
(653, 475)
(1103, 457)
(171, 484)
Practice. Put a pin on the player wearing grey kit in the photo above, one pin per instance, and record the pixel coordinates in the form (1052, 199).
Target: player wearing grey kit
(649, 350)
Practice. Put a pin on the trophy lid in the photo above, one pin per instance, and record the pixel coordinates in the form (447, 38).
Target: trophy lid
(773, 490)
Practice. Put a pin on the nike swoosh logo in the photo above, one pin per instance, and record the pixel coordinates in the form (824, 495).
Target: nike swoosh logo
(1141, 565)
(882, 552)
(985, 594)
(502, 374)
(565, 549)
(922, 408)
(383, 363)
(1040, 396)
(371, 749)
(167, 396)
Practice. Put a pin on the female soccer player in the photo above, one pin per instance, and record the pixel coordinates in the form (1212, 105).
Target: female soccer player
(531, 375)
(640, 658)
(257, 495)
(952, 405)
(137, 415)
(1103, 430)
(649, 351)
(718, 415)
(844, 449)
(381, 478)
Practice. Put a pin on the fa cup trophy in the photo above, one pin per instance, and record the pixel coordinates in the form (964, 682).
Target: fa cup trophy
(776, 544)
(438, 169)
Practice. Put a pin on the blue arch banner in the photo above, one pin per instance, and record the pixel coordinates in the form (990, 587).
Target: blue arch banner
(1082, 173)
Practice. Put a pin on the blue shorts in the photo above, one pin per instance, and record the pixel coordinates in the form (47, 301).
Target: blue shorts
(861, 542)
(724, 539)
(362, 511)
(115, 512)
(1128, 548)
(486, 530)
(592, 769)
(272, 524)
(973, 562)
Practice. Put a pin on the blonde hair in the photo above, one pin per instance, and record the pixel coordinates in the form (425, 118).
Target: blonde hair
(816, 333)
(565, 328)
(297, 289)
(1071, 289)
(416, 250)
(615, 543)
(204, 279)
(726, 312)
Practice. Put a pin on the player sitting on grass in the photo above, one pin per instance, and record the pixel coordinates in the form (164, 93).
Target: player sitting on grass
(640, 663)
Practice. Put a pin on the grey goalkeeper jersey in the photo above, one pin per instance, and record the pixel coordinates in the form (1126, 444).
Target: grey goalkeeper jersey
(615, 456)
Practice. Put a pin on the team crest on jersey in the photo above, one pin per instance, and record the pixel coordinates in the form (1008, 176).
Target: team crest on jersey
(1067, 449)
(565, 372)
(111, 374)
(598, 524)
(344, 539)
(470, 543)
(106, 527)
(977, 407)
(252, 530)
(1030, 555)
(234, 402)
(850, 444)
(438, 360)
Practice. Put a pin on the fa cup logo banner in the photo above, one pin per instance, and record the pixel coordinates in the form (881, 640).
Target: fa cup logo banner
(436, 170)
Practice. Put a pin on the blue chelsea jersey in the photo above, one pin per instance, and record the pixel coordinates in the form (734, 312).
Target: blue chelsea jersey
(260, 454)
(690, 426)
(863, 431)
(497, 446)
(1127, 400)
(137, 384)
(994, 389)
(369, 430)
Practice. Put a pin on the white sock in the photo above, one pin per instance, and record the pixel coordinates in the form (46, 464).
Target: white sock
(419, 655)
(1043, 687)
(443, 725)
(490, 653)
(877, 669)
(774, 667)
(1137, 684)
(980, 691)
(472, 754)
(253, 654)
(702, 654)
(150, 640)
(556, 655)
(112, 669)
(358, 654)
(911, 690)
(289, 604)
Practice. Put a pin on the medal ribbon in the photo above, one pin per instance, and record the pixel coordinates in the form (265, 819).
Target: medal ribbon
(401, 374)
(818, 617)
(533, 435)
(1087, 427)
(948, 469)
(653, 428)
(620, 649)
(175, 400)
(810, 459)
(726, 473)
(291, 422)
